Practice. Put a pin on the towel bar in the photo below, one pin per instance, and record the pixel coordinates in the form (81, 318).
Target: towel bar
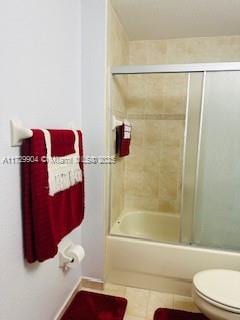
(115, 122)
(18, 133)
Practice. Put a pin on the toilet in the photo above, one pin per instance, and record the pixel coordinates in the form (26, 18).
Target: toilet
(217, 294)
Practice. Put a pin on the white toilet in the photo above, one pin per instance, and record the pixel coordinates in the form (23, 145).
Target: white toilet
(217, 294)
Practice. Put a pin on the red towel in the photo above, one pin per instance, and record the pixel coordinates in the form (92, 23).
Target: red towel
(123, 143)
(47, 219)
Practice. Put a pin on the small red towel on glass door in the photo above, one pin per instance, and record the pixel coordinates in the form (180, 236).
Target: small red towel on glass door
(47, 219)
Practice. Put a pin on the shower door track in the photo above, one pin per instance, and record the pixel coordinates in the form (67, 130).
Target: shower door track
(175, 68)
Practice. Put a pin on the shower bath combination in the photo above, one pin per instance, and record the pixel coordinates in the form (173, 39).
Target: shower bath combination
(181, 158)
(176, 194)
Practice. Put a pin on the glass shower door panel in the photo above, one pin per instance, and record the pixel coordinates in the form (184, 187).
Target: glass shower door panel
(217, 202)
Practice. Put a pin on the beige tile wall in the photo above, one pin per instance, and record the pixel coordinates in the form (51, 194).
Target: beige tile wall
(118, 54)
(151, 177)
(188, 50)
(156, 107)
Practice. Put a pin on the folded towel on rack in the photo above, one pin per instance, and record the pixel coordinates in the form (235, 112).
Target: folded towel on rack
(63, 171)
(123, 139)
(52, 195)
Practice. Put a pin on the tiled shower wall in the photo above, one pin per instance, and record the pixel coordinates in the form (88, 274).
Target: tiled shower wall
(156, 109)
(150, 178)
(118, 54)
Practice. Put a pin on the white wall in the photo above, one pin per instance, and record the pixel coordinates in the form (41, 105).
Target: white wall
(93, 73)
(40, 83)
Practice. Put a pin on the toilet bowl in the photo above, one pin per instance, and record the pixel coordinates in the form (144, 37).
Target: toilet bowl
(217, 294)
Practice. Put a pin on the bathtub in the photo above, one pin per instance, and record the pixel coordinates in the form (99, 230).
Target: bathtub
(149, 225)
(132, 260)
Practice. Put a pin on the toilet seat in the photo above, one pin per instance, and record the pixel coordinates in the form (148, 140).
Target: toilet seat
(220, 288)
(216, 304)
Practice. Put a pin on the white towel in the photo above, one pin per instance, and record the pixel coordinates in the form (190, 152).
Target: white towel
(63, 172)
(127, 129)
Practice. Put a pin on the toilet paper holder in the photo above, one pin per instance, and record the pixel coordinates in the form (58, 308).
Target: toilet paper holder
(65, 261)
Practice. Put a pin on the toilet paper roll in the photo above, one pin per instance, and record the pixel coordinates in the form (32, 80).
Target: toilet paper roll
(76, 253)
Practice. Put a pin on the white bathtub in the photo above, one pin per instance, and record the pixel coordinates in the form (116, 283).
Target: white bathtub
(149, 225)
(154, 265)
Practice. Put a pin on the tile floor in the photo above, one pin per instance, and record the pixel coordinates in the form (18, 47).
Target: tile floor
(142, 303)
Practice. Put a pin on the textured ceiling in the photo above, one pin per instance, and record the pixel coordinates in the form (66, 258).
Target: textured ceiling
(161, 19)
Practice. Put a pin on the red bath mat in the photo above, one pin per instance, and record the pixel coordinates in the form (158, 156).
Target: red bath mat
(94, 306)
(169, 314)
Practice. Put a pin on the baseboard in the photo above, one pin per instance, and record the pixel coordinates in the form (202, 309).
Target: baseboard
(68, 300)
(85, 282)
(92, 283)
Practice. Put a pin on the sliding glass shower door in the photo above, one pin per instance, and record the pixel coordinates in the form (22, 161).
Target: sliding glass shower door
(217, 194)
(183, 171)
